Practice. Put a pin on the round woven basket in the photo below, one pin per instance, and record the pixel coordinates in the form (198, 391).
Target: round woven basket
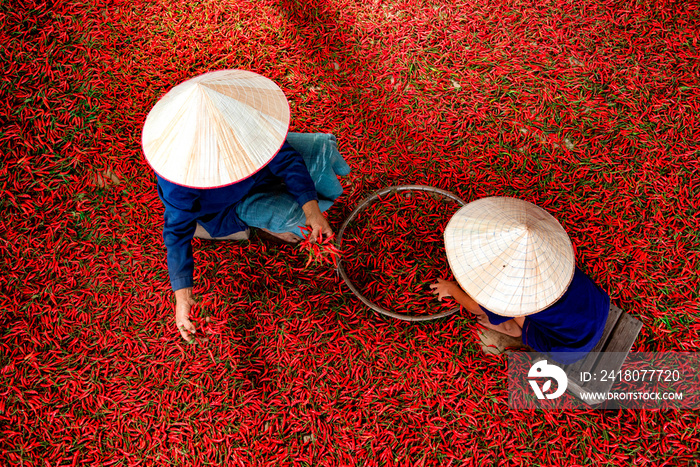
(339, 242)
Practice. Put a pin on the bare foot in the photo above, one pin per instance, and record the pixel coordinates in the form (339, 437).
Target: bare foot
(496, 343)
(285, 236)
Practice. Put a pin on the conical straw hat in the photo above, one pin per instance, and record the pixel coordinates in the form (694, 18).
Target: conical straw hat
(512, 257)
(216, 129)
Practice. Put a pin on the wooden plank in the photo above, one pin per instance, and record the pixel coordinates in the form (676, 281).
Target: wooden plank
(625, 334)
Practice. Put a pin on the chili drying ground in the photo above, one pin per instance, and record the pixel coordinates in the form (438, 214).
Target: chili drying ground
(394, 249)
(588, 108)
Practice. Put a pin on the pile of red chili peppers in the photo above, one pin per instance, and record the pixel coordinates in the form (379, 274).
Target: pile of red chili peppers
(394, 250)
(586, 108)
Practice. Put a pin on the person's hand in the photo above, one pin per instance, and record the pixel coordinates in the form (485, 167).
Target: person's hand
(316, 220)
(183, 304)
(443, 289)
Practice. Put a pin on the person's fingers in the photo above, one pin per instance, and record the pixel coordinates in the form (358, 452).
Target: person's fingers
(314, 233)
(184, 333)
(434, 286)
(182, 318)
(186, 329)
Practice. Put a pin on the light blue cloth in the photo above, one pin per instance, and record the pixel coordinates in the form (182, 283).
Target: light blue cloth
(272, 207)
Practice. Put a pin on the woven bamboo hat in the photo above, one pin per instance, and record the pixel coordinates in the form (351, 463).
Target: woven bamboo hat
(512, 257)
(216, 129)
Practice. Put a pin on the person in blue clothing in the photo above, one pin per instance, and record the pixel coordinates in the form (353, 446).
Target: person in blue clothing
(224, 162)
(515, 271)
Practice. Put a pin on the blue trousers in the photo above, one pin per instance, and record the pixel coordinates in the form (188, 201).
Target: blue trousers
(276, 210)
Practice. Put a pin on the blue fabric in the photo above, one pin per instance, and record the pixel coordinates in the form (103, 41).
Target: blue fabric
(572, 325)
(273, 208)
(223, 211)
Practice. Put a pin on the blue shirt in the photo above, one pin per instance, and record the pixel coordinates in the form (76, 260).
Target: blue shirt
(573, 324)
(215, 208)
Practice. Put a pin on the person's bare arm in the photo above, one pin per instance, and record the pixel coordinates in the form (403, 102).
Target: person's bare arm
(445, 288)
(451, 289)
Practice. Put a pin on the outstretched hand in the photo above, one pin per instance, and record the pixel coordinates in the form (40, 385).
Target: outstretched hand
(316, 220)
(184, 300)
(443, 289)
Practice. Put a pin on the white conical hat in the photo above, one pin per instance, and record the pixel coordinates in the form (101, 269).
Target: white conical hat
(512, 257)
(216, 129)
